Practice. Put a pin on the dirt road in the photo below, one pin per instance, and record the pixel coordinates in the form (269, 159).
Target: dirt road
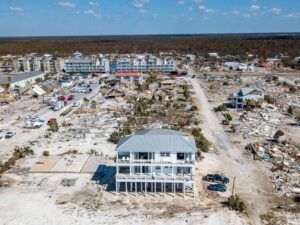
(212, 127)
(252, 182)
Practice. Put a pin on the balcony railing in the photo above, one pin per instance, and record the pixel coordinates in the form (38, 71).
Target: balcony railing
(156, 177)
(151, 161)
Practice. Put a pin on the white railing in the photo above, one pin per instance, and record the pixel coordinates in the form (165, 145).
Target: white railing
(149, 161)
(157, 176)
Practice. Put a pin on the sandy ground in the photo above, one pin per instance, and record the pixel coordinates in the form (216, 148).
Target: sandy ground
(37, 200)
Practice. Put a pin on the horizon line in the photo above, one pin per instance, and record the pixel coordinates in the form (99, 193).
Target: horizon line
(173, 34)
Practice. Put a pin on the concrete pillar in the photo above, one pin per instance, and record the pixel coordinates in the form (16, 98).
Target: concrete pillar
(135, 185)
(174, 189)
(183, 190)
(116, 187)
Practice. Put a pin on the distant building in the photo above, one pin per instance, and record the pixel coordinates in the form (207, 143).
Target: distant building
(132, 77)
(271, 62)
(86, 65)
(146, 63)
(47, 63)
(214, 55)
(240, 98)
(21, 80)
(156, 160)
(238, 66)
(191, 57)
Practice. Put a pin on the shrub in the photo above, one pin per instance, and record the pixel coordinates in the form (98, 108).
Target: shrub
(235, 203)
(114, 137)
(228, 116)
(290, 110)
(220, 108)
(270, 99)
(201, 142)
(46, 153)
(194, 108)
(292, 89)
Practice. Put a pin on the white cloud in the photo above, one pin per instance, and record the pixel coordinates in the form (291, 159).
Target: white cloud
(205, 9)
(66, 4)
(276, 10)
(198, 1)
(139, 4)
(91, 3)
(190, 9)
(180, 2)
(294, 15)
(254, 7)
(92, 13)
(16, 9)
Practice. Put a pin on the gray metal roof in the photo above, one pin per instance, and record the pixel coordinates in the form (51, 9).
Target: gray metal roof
(157, 140)
(12, 78)
(246, 91)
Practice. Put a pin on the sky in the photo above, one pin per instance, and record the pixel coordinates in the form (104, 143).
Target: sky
(129, 17)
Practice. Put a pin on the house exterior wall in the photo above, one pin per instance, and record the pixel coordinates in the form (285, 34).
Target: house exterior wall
(87, 65)
(145, 64)
(26, 82)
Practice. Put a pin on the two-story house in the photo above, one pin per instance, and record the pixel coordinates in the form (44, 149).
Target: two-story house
(156, 160)
(248, 94)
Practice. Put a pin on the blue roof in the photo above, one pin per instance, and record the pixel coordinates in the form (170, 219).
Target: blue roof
(157, 140)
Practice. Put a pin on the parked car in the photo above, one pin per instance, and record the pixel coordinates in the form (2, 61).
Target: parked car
(70, 97)
(76, 104)
(10, 134)
(216, 178)
(4, 102)
(61, 98)
(217, 187)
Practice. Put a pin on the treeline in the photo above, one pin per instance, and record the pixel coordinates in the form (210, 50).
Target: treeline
(264, 45)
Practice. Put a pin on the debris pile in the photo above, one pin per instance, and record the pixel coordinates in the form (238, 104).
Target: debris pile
(286, 165)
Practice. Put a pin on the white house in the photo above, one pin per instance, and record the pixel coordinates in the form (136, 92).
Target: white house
(156, 160)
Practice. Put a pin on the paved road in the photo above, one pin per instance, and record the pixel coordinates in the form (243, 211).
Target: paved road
(211, 125)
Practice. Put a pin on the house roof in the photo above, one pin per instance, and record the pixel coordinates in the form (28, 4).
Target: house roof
(157, 140)
(12, 78)
(246, 91)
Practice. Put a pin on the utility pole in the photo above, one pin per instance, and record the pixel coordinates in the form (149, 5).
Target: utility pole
(233, 184)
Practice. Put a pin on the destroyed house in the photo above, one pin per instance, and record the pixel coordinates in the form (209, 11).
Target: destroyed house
(156, 160)
(240, 98)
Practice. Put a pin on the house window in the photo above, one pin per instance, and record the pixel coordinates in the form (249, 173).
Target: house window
(180, 156)
(165, 154)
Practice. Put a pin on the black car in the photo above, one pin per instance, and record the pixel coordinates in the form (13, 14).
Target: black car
(216, 178)
(217, 187)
